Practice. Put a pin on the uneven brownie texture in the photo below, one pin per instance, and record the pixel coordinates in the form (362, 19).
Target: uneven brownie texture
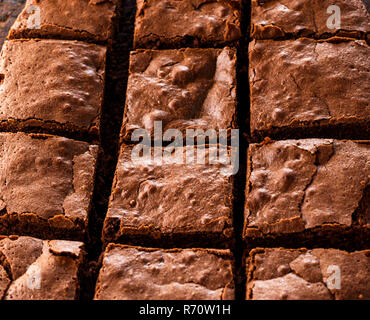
(298, 185)
(282, 18)
(54, 84)
(131, 273)
(281, 274)
(46, 184)
(9, 11)
(187, 22)
(72, 19)
(153, 201)
(185, 89)
(309, 83)
(33, 269)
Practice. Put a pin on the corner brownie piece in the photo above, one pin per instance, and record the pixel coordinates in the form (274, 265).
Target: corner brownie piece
(9, 10)
(51, 86)
(46, 185)
(285, 18)
(33, 269)
(185, 89)
(188, 23)
(310, 86)
(170, 204)
(318, 274)
(90, 20)
(306, 187)
(134, 273)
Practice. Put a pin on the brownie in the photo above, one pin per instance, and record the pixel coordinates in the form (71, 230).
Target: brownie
(89, 20)
(310, 86)
(33, 269)
(9, 10)
(187, 23)
(308, 187)
(170, 204)
(185, 89)
(134, 273)
(46, 185)
(318, 274)
(53, 86)
(276, 19)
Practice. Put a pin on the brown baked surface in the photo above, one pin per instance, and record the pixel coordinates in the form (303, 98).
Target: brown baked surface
(282, 274)
(46, 185)
(33, 269)
(134, 273)
(175, 204)
(90, 20)
(9, 11)
(309, 84)
(185, 89)
(285, 18)
(53, 86)
(186, 23)
(307, 185)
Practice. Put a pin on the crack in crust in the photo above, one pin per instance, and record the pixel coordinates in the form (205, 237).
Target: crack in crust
(304, 213)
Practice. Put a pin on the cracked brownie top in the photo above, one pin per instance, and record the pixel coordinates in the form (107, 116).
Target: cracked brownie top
(61, 19)
(308, 83)
(33, 269)
(318, 274)
(133, 273)
(283, 18)
(170, 199)
(187, 88)
(187, 22)
(296, 185)
(46, 184)
(52, 83)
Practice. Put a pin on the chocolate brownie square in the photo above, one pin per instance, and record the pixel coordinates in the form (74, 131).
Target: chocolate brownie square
(308, 188)
(9, 10)
(46, 185)
(276, 19)
(185, 89)
(89, 20)
(318, 274)
(52, 86)
(134, 273)
(33, 269)
(160, 203)
(311, 87)
(187, 23)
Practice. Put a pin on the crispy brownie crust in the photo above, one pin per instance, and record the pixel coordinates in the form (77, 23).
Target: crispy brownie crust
(173, 204)
(46, 185)
(72, 19)
(54, 86)
(307, 185)
(134, 273)
(187, 23)
(309, 84)
(282, 274)
(185, 89)
(33, 269)
(274, 19)
(9, 11)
